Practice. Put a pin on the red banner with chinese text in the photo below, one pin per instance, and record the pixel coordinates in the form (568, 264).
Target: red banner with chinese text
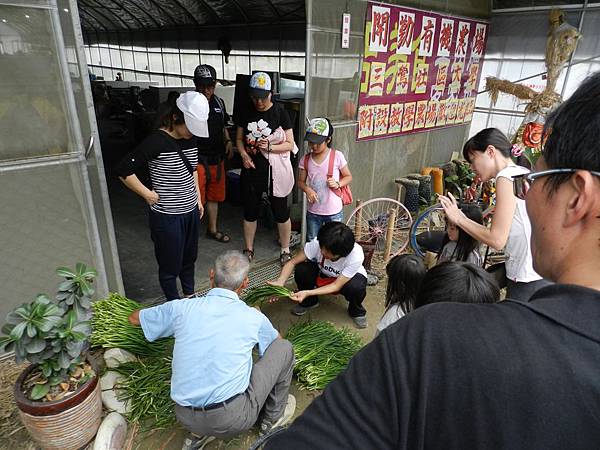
(420, 71)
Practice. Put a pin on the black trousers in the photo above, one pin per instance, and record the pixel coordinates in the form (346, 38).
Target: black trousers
(354, 291)
(175, 238)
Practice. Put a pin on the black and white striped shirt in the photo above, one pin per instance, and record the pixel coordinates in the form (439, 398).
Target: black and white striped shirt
(170, 177)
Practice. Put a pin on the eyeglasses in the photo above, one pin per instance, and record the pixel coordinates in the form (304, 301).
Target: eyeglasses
(522, 183)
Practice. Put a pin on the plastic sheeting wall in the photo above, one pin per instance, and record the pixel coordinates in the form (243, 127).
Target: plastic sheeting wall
(333, 77)
(515, 50)
(51, 196)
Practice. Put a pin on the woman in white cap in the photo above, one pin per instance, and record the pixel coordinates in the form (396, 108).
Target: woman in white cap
(265, 140)
(171, 155)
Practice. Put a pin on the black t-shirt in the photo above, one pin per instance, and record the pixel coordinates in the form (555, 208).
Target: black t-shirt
(263, 123)
(511, 375)
(214, 144)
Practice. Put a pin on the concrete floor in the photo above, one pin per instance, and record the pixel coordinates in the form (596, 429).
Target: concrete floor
(136, 250)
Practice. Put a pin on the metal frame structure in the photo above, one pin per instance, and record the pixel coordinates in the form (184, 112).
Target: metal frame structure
(490, 111)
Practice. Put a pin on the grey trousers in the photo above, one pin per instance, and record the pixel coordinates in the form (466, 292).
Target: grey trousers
(267, 392)
(523, 291)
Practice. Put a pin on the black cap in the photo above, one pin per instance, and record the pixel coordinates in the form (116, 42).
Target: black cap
(205, 74)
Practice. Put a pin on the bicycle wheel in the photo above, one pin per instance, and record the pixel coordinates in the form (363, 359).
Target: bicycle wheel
(381, 226)
(428, 228)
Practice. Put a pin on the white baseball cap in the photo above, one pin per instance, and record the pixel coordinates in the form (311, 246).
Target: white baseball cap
(194, 107)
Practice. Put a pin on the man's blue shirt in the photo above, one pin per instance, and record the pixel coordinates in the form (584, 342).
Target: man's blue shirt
(214, 338)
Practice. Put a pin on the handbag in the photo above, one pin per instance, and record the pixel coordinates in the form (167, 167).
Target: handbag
(343, 192)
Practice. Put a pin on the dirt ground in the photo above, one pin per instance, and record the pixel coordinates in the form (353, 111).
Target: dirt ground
(333, 309)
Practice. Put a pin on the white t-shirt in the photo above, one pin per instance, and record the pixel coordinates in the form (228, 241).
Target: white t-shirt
(519, 263)
(347, 266)
(393, 314)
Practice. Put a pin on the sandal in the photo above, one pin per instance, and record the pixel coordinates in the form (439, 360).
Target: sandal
(284, 257)
(218, 236)
(249, 254)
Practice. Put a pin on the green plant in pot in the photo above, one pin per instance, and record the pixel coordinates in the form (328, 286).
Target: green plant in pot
(52, 335)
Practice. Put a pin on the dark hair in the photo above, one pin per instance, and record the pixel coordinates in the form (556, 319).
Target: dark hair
(465, 243)
(404, 276)
(168, 115)
(573, 133)
(457, 281)
(337, 238)
(330, 135)
(489, 136)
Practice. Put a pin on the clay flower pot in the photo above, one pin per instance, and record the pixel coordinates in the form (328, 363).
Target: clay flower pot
(66, 424)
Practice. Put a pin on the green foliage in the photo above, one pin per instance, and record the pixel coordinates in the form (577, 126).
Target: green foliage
(52, 332)
(111, 328)
(322, 352)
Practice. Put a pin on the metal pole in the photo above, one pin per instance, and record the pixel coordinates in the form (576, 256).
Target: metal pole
(579, 28)
(307, 109)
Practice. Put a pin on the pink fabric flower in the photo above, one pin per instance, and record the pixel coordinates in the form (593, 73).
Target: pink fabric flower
(517, 150)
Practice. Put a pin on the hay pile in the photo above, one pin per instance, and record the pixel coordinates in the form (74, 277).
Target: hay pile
(12, 433)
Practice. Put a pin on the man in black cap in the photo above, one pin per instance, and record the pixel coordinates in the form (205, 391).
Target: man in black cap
(212, 150)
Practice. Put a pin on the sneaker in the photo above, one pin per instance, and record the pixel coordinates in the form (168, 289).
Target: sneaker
(299, 310)
(266, 425)
(195, 442)
(360, 321)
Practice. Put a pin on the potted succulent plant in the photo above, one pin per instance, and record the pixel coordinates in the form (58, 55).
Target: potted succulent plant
(58, 395)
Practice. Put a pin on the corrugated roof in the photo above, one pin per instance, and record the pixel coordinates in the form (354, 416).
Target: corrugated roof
(133, 15)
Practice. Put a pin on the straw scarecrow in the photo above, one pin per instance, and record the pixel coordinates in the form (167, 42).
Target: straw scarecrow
(561, 43)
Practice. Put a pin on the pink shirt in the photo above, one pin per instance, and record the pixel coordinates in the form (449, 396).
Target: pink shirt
(329, 203)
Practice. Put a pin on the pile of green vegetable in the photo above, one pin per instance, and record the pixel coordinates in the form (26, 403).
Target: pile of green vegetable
(146, 382)
(257, 295)
(146, 385)
(111, 328)
(322, 351)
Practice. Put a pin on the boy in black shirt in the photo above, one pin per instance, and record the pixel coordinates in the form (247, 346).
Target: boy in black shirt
(212, 150)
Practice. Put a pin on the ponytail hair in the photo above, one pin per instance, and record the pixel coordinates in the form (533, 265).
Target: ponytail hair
(486, 137)
(168, 114)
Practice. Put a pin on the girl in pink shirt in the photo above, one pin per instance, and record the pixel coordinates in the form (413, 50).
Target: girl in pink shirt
(324, 205)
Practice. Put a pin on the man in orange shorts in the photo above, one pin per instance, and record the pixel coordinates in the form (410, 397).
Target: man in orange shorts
(213, 150)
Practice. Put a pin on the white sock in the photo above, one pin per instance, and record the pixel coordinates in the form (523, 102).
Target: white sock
(285, 249)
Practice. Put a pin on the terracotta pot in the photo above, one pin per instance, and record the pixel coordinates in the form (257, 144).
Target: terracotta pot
(66, 424)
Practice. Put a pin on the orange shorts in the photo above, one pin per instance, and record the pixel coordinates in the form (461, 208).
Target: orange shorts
(214, 190)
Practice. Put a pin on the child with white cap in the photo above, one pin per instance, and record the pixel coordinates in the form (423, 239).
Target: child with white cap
(171, 155)
(323, 172)
(266, 163)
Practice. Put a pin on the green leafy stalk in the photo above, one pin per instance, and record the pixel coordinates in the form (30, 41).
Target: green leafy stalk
(322, 352)
(257, 295)
(146, 385)
(111, 328)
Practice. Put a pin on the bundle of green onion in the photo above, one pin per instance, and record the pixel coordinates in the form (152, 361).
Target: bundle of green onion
(111, 328)
(257, 295)
(146, 385)
(322, 352)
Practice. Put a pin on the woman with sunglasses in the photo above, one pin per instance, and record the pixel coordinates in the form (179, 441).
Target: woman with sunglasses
(489, 153)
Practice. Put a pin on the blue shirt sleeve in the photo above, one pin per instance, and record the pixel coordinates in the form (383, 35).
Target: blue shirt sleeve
(266, 334)
(157, 322)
